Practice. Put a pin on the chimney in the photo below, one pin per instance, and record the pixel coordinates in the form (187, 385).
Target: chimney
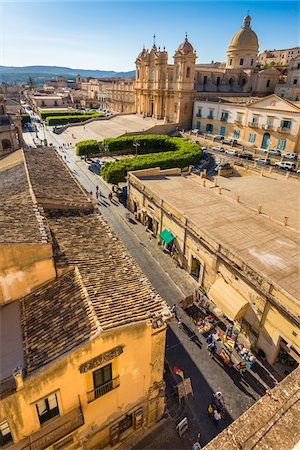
(18, 376)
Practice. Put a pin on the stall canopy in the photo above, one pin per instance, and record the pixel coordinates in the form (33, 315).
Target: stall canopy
(233, 304)
(166, 236)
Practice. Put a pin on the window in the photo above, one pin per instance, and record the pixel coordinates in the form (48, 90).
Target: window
(254, 120)
(230, 62)
(298, 66)
(188, 72)
(199, 112)
(43, 103)
(269, 121)
(295, 81)
(102, 380)
(236, 134)
(47, 408)
(281, 144)
(152, 75)
(239, 118)
(209, 128)
(218, 80)
(286, 124)
(195, 268)
(222, 131)
(205, 79)
(211, 114)
(125, 423)
(268, 83)
(241, 61)
(198, 125)
(5, 434)
(252, 137)
(224, 116)
(252, 61)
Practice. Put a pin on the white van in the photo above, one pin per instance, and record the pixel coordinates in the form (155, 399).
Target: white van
(287, 165)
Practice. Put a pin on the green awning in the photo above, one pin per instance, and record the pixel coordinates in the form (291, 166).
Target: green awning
(166, 236)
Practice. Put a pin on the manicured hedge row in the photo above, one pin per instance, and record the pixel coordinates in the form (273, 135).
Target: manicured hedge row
(125, 143)
(62, 120)
(25, 118)
(183, 154)
(66, 112)
(89, 147)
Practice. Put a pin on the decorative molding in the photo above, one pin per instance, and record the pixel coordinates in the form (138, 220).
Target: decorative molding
(100, 359)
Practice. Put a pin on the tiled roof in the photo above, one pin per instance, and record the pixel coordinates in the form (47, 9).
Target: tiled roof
(21, 219)
(119, 291)
(55, 319)
(51, 180)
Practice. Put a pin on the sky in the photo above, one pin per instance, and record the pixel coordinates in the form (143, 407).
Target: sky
(108, 35)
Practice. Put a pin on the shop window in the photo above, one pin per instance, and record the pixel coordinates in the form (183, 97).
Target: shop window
(125, 423)
(195, 268)
(47, 408)
(5, 434)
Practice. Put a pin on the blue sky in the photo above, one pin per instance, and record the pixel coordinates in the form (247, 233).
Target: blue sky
(109, 35)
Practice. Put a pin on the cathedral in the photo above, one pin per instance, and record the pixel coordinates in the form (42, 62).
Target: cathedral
(167, 91)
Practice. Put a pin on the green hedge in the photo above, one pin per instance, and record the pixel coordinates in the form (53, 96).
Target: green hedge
(89, 147)
(125, 143)
(25, 118)
(66, 112)
(183, 153)
(62, 120)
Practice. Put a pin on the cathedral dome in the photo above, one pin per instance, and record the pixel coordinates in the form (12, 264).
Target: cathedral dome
(245, 38)
(185, 48)
(142, 54)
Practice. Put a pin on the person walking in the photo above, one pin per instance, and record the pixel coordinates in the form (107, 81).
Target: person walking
(174, 311)
(212, 348)
(110, 196)
(216, 416)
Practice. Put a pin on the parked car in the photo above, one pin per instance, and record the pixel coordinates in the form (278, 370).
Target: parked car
(223, 165)
(218, 137)
(264, 161)
(232, 152)
(218, 148)
(230, 141)
(287, 165)
(101, 163)
(289, 155)
(203, 149)
(246, 156)
(273, 151)
(94, 167)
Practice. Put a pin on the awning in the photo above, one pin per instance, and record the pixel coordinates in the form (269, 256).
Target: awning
(233, 304)
(166, 236)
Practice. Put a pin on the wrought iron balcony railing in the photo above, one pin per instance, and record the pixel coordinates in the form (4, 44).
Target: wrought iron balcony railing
(104, 389)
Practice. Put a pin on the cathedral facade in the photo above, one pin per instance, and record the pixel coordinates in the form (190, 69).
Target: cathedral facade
(167, 91)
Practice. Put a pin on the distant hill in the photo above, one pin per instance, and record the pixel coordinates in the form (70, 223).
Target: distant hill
(40, 74)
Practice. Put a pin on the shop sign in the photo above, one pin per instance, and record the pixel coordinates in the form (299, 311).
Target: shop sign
(101, 359)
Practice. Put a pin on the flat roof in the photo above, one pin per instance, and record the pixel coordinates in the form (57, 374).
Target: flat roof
(270, 249)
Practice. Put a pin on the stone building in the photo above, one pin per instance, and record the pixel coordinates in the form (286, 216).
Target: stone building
(244, 260)
(278, 57)
(290, 88)
(10, 129)
(83, 331)
(269, 122)
(168, 91)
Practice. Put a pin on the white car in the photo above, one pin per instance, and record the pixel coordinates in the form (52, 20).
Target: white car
(273, 151)
(203, 149)
(289, 155)
(218, 148)
(264, 161)
(287, 165)
(232, 152)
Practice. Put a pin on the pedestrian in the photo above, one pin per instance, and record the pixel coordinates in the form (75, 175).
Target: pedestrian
(210, 409)
(210, 339)
(174, 310)
(97, 188)
(216, 416)
(211, 349)
(110, 196)
(97, 195)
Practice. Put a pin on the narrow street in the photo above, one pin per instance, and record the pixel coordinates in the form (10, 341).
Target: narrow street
(185, 348)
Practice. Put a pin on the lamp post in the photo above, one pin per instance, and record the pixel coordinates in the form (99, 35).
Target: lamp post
(136, 144)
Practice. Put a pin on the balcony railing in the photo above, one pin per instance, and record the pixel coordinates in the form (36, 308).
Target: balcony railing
(253, 124)
(52, 431)
(104, 389)
(223, 119)
(267, 127)
(210, 117)
(238, 122)
(284, 130)
(198, 115)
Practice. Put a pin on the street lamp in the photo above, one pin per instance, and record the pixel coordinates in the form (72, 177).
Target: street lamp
(136, 144)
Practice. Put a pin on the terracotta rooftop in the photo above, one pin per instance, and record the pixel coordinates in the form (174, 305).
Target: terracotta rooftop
(56, 318)
(21, 218)
(271, 423)
(52, 182)
(119, 291)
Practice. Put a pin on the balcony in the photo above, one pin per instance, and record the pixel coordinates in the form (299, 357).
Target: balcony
(238, 122)
(52, 431)
(104, 389)
(253, 124)
(223, 119)
(283, 130)
(210, 117)
(198, 115)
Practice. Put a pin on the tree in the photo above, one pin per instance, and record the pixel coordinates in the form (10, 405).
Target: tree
(30, 82)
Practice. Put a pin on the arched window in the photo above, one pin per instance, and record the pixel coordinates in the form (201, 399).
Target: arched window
(6, 144)
(152, 75)
(188, 72)
(231, 82)
(243, 82)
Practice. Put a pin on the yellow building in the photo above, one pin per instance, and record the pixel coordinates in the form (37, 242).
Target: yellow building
(269, 122)
(83, 331)
(10, 129)
(246, 261)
